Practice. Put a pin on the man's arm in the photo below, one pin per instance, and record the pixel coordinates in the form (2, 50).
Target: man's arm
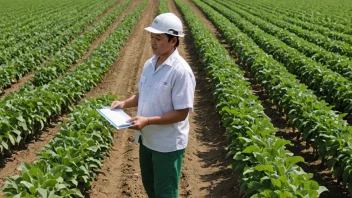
(168, 118)
(129, 102)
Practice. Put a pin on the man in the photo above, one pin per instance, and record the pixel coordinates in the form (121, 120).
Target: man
(164, 99)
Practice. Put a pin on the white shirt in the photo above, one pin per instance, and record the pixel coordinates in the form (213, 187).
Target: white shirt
(170, 87)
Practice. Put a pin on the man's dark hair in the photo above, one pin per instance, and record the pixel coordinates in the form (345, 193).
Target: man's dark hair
(170, 37)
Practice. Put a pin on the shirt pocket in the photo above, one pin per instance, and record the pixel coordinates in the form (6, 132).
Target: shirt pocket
(161, 94)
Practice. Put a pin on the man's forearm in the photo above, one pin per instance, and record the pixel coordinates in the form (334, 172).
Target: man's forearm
(131, 101)
(170, 117)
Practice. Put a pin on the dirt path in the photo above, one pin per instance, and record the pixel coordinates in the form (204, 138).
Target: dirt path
(102, 37)
(120, 175)
(9, 165)
(205, 172)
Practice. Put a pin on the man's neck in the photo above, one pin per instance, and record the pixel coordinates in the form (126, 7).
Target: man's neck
(162, 58)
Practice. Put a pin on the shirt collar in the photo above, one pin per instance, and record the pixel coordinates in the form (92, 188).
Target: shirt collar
(169, 59)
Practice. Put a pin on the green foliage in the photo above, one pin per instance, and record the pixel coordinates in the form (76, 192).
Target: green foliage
(29, 51)
(163, 7)
(321, 126)
(65, 58)
(261, 162)
(31, 108)
(70, 158)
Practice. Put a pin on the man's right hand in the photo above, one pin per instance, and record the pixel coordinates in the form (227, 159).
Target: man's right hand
(117, 104)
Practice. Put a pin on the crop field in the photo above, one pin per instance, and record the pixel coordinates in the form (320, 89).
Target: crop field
(273, 102)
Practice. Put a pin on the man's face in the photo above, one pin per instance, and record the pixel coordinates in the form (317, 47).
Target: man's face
(161, 45)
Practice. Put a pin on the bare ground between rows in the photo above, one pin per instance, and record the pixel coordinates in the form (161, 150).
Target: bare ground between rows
(120, 174)
(27, 153)
(29, 76)
(205, 170)
(311, 165)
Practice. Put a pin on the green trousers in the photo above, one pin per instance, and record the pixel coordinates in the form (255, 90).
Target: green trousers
(160, 171)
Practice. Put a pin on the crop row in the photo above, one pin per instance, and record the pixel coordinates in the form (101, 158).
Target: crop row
(69, 159)
(329, 85)
(335, 62)
(44, 31)
(162, 8)
(261, 162)
(28, 110)
(19, 20)
(333, 22)
(335, 46)
(41, 28)
(30, 58)
(63, 59)
(323, 128)
(309, 26)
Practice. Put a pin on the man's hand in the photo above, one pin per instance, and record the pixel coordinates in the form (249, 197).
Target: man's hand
(140, 122)
(117, 104)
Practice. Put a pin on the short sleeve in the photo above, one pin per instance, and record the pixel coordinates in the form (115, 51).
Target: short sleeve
(183, 91)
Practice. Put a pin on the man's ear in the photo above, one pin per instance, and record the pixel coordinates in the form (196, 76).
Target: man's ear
(174, 41)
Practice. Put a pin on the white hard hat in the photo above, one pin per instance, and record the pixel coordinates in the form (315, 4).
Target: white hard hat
(167, 23)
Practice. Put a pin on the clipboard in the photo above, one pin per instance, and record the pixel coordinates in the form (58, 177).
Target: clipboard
(116, 117)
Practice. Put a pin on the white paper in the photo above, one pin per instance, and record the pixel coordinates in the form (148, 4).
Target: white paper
(117, 117)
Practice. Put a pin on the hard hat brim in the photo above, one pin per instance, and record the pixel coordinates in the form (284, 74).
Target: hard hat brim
(155, 31)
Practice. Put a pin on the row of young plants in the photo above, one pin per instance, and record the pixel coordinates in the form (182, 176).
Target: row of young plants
(314, 119)
(29, 59)
(19, 19)
(331, 36)
(47, 29)
(264, 167)
(21, 11)
(30, 109)
(163, 7)
(70, 54)
(330, 86)
(327, 11)
(308, 21)
(313, 27)
(333, 22)
(335, 46)
(335, 62)
(15, 40)
(68, 161)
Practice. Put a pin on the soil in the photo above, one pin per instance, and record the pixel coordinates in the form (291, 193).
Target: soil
(205, 171)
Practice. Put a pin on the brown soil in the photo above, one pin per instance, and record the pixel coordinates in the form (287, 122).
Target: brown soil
(102, 37)
(205, 171)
